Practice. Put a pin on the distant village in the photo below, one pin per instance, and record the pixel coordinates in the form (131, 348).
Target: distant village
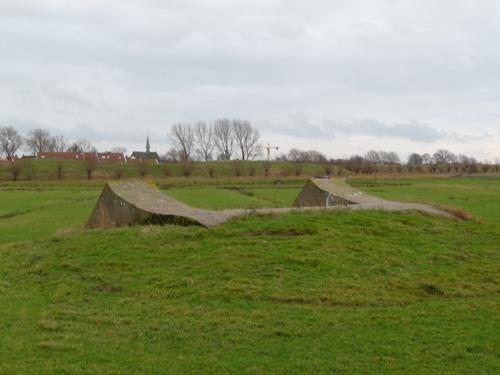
(226, 139)
(108, 156)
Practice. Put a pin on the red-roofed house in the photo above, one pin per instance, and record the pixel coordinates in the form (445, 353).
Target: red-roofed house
(111, 157)
(59, 156)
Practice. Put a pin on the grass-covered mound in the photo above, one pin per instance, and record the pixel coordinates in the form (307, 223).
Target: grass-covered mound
(350, 292)
(324, 292)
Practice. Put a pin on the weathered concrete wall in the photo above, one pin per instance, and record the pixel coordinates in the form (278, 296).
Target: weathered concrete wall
(128, 203)
(312, 196)
(113, 211)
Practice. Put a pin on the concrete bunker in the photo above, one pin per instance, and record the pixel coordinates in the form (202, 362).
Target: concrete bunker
(131, 203)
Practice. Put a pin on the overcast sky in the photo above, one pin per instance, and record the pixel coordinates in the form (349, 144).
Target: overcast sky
(339, 76)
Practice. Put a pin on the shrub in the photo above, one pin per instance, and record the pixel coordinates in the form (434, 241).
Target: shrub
(252, 170)
(328, 168)
(211, 171)
(59, 170)
(297, 169)
(187, 168)
(238, 167)
(166, 170)
(267, 168)
(89, 164)
(141, 168)
(14, 170)
(119, 172)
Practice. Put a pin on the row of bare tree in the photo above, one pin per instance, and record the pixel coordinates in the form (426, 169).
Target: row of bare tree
(225, 137)
(440, 157)
(38, 140)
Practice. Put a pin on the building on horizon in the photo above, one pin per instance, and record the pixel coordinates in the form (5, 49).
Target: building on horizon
(148, 155)
(110, 157)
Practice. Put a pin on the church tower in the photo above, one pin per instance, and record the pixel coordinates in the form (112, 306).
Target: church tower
(147, 145)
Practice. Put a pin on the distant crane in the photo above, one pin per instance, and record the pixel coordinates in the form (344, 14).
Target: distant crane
(269, 148)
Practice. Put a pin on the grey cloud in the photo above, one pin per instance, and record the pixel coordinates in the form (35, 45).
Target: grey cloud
(66, 96)
(412, 130)
(156, 62)
(86, 131)
(301, 125)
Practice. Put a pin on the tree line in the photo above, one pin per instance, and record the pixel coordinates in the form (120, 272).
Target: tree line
(440, 157)
(229, 139)
(39, 140)
(222, 139)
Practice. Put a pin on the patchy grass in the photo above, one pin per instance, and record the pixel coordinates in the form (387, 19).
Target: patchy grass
(235, 197)
(47, 170)
(310, 292)
(216, 199)
(28, 214)
(477, 196)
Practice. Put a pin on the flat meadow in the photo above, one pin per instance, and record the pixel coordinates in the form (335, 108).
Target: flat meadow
(304, 292)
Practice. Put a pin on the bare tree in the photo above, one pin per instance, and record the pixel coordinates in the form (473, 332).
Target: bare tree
(39, 140)
(58, 143)
(90, 165)
(182, 136)
(10, 141)
(466, 160)
(392, 158)
(223, 138)
(311, 156)
(247, 138)
(415, 159)
(172, 155)
(373, 156)
(85, 145)
(81, 145)
(59, 170)
(73, 148)
(204, 139)
(295, 155)
(444, 157)
(119, 150)
(427, 159)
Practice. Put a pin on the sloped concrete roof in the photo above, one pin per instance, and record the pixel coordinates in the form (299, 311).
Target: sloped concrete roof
(127, 203)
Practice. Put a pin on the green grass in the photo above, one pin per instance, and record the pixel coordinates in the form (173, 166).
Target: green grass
(323, 292)
(34, 211)
(218, 198)
(478, 195)
(283, 197)
(46, 170)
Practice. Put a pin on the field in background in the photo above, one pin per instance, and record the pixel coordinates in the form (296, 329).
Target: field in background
(241, 197)
(479, 196)
(324, 292)
(47, 169)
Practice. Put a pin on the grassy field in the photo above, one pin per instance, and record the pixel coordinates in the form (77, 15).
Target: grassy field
(47, 169)
(478, 195)
(218, 199)
(324, 292)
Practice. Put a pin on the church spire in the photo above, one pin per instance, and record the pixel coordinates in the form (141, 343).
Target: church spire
(147, 144)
